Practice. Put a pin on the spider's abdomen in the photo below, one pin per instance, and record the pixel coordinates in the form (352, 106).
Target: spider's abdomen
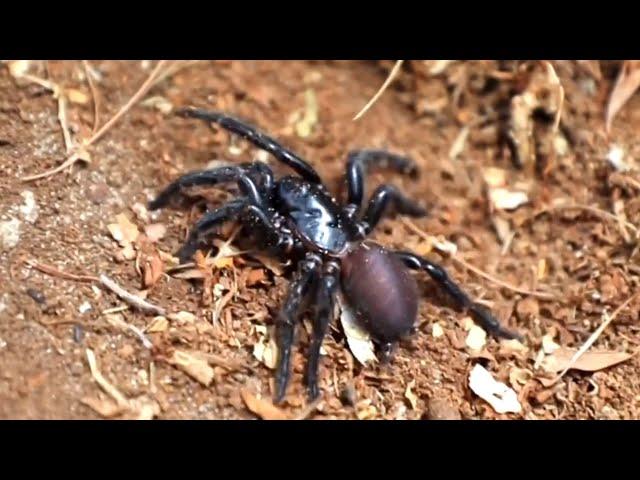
(381, 291)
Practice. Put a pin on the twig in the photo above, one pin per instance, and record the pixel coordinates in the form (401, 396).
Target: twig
(131, 298)
(556, 124)
(594, 336)
(587, 208)
(477, 271)
(387, 82)
(58, 273)
(95, 96)
(146, 86)
(122, 402)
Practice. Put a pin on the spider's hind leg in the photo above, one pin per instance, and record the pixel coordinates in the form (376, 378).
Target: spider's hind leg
(442, 278)
(383, 197)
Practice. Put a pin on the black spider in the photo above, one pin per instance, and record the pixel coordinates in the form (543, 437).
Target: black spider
(296, 216)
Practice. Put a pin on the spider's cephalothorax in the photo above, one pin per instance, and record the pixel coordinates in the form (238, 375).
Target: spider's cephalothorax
(297, 216)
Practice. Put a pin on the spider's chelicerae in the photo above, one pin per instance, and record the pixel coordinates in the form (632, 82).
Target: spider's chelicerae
(296, 216)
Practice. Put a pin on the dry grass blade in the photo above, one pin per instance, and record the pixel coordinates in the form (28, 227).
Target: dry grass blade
(594, 336)
(477, 271)
(627, 83)
(146, 86)
(130, 298)
(94, 95)
(58, 273)
(112, 391)
(387, 82)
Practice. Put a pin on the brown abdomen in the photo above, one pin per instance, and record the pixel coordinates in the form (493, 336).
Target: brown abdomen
(381, 291)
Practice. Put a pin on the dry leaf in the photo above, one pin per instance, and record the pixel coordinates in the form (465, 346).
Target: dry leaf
(305, 126)
(76, 96)
(159, 324)
(106, 408)
(124, 232)
(261, 407)
(548, 345)
(436, 330)
(153, 269)
(501, 398)
(495, 177)
(17, 68)
(271, 263)
(519, 377)
(590, 361)
(505, 199)
(192, 365)
(266, 350)
(626, 85)
(182, 317)
(155, 232)
(476, 338)
(413, 399)
(358, 339)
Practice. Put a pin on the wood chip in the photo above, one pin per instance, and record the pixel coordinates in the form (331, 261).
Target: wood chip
(262, 407)
(194, 366)
(590, 361)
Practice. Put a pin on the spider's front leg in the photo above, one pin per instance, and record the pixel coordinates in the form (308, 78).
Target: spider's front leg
(442, 278)
(385, 196)
(241, 175)
(360, 162)
(287, 319)
(324, 304)
(259, 139)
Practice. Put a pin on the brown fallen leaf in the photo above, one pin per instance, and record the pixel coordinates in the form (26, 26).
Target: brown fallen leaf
(262, 407)
(153, 269)
(626, 85)
(123, 231)
(192, 365)
(590, 361)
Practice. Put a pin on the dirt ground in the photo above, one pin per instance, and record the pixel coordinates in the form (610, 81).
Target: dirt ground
(551, 272)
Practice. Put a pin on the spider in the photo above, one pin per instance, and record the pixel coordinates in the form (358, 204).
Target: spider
(296, 216)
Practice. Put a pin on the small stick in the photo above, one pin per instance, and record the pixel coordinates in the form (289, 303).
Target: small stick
(594, 336)
(387, 82)
(94, 95)
(146, 86)
(131, 298)
(120, 399)
(477, 271)
(58, 273)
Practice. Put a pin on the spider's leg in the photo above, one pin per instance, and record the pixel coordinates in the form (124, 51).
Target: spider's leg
(359, 162)
(382, 197)
(324, 303)
(286, 320)
(207, 223)
(256, 137)
(210, 177)
(439, 274)
(240, 209)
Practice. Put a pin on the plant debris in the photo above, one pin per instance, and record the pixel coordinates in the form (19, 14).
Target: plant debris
(502, 398)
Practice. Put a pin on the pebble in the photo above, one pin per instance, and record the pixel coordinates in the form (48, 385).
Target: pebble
(77, 368)
(440, 409)
(29, 210)
(9, 234)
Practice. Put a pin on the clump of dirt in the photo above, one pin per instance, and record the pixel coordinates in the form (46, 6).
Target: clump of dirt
(533, 213)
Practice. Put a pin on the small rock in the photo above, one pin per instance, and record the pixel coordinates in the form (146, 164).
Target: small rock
(9, 234)
(2, 344)
(77, 369)
(441, 409)
(349, 396)
(37, 295)
(98, 193)
(30, 209)
(78, 333)
(85, 307)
